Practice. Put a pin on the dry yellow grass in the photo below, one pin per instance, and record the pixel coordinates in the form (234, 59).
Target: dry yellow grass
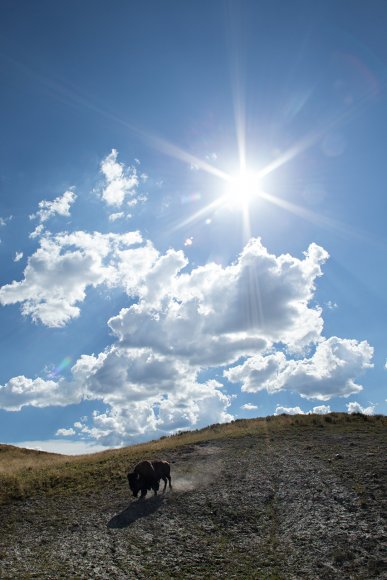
(26, 472)
(12, 459)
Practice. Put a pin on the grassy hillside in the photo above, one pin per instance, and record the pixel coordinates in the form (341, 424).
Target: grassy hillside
(282, 498)
(25, 473)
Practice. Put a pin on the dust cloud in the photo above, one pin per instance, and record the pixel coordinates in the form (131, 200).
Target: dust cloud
(192, 481)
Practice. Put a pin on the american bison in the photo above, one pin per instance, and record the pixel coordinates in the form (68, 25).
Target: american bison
(147, 474)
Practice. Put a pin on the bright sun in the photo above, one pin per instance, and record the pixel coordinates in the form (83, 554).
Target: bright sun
(243, 187)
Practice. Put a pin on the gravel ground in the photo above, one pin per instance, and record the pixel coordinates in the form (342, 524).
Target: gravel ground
(304, 505)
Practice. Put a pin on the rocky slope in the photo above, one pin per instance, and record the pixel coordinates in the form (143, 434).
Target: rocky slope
(306, 504)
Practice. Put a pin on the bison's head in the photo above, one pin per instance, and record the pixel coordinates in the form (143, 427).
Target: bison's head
(134, 483)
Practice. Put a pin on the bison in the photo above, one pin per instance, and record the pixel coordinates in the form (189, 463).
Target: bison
(146, 476)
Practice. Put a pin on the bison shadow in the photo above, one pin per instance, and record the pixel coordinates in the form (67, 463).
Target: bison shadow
(136, 510)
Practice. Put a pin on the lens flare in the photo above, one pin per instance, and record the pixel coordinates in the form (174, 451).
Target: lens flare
(61, 367)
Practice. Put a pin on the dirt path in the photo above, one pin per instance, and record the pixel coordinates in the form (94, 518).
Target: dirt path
(243, 508)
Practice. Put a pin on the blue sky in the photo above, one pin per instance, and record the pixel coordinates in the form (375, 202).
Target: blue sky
(192, 215)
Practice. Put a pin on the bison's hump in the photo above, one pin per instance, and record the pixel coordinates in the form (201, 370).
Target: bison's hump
(152, 469)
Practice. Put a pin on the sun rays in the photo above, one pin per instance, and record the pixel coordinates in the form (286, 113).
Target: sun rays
(243, 186)
(239, 189)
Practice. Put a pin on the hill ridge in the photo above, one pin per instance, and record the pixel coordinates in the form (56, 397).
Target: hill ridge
(278, 498)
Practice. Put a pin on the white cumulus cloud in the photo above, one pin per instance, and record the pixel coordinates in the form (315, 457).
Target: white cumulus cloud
(321, 410)
(64, 265)
(329, 372)
(146, 392)
(4, 221)
(121, 181)
(65, 432)
(60, 206)
(213, 315)
(255, 313)
(37, 232)
(288, 410)
(354, 407)
(113, 217)
(21, 391)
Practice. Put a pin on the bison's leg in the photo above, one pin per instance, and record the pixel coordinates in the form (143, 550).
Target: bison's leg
(165, 482)
(143, 492)
(168, 475)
